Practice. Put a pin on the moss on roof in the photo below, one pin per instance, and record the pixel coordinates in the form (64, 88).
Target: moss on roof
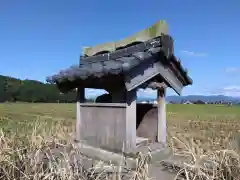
(151, 32)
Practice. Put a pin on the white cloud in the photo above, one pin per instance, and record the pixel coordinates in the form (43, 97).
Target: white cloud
(232, 70)
(143, 93)
(147, 93)
(192, 53)
(233, 91)
(92, 93)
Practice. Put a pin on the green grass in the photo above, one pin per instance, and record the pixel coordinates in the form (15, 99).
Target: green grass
(21, 118)
(68, 111)
(204, 109)
(27, 113)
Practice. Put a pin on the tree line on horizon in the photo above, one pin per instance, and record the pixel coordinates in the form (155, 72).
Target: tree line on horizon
(32, 91)
(16, 90)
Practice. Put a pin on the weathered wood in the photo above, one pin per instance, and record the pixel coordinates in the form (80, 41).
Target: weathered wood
(167, 44)
(80, 99)
(128, 98)
(117, 132)
(101, 100)
(179, 71)
(161, 117)
(145, 72)
(156, 85)
(102, 104)
(155, 30)
(161, 127)
(131, 119)
(141, 74)
(171, 79)
(103, 125)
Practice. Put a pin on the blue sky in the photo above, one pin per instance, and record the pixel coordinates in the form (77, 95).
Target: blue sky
(39, 38)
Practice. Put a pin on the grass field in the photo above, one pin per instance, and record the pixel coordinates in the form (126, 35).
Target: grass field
(206, 127)
(202, 122)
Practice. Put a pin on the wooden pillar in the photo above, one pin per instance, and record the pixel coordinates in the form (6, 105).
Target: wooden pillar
(80, 99)
(130, 98)
(131, 119)
(162, 127)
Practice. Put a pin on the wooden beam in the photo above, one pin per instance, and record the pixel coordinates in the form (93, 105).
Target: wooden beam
(129, 98)
(171, 79)
(141, 74)
(80, 99)
(161, 127)
(146, 71)
(131, 120)
(157, 85)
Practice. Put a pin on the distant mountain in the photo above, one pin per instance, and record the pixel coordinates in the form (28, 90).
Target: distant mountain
(203, 98)
(13, 89)
(178, 99)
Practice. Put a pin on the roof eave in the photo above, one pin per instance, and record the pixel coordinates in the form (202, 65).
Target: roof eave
(187, 79)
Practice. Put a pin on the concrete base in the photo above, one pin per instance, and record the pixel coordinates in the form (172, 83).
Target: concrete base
(157, 152)
(159, 168)
(88, 156)
(140, 141)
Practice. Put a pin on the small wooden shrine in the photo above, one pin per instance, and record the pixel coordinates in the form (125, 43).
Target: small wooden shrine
(144, 60)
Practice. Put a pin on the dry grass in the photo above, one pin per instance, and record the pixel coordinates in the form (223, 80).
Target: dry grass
(221, 164)
(31, 156)
(207, 140)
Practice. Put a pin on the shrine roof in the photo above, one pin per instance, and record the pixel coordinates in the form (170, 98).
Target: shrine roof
(102, 64)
